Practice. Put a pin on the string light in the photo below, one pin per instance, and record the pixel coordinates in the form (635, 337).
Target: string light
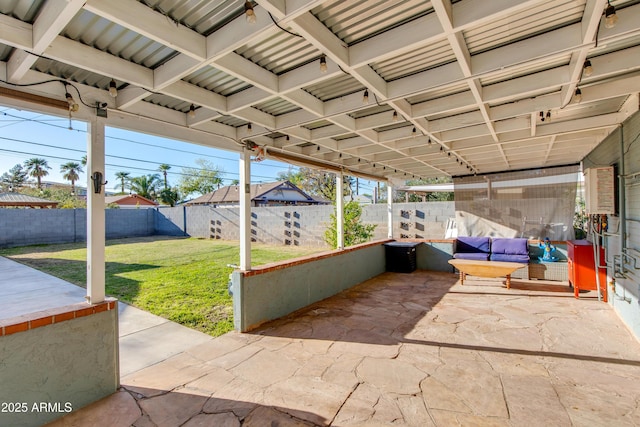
(610, 17)
(113, 90)
(323, 64)
(73, 105)
(249, 13)
(249, 128)
(395, 116)
(365, 97)
(578, 96)
(192, 111)
(587, 68)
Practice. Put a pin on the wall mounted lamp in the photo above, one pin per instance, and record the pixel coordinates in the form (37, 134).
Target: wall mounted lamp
(96, 177)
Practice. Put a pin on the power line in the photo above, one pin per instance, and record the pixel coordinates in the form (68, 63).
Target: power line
(42, 122)
(117, 157)
(128, 167)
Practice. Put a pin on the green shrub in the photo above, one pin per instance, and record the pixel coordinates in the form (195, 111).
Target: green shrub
(354, 231)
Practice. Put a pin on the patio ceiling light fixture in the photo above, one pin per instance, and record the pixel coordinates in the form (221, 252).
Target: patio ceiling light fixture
(577, 98)
(610, 17)
(73, 105)
(113, 90)
(323, 64)
(192, 111)
(249, 13)
(587, 68)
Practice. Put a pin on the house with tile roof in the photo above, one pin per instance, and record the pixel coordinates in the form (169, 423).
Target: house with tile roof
(279, 193)
(129, 201)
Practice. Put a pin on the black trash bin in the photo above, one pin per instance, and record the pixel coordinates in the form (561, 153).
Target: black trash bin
(400, 256)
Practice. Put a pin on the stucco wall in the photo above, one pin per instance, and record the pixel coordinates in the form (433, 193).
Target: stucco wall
(626, 300)
(58, 367)
(267, 294)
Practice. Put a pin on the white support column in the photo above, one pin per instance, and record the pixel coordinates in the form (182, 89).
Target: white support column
(95, 213)
(339, 211)
(245, 210)
(390, 210)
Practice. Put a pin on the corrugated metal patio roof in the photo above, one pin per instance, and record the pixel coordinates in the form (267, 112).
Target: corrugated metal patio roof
(471, 78)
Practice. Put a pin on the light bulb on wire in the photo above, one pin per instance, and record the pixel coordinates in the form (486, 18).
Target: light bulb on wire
(323, 64)
(249, 13)
(73, 105)
(610, 17)
(113, 90)
(577, 98)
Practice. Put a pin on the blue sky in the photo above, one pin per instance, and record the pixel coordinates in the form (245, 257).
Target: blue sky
(24, 135)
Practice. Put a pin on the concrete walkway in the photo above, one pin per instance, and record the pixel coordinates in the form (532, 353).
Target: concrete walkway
(405, 350)
(145, 339)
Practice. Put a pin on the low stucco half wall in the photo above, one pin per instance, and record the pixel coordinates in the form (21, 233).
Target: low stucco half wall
(57, 361)
(275, 290)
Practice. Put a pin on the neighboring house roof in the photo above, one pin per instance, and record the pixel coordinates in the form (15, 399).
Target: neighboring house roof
(17, 199)
(282, 191)
(129, 200)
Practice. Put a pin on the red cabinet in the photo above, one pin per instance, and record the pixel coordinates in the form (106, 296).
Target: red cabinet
(582, 270)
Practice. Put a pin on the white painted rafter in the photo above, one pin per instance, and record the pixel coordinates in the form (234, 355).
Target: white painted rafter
(486, 115)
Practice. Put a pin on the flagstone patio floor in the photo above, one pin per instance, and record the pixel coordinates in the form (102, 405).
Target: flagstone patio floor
(413, 349)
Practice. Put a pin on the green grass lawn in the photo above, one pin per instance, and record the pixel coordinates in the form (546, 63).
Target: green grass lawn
(181, 279)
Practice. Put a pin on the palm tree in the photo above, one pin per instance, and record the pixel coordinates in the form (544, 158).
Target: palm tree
(37, 168)
(164, 168)
(145, 185)
(71, 173)
(124, 178)
(84, 160)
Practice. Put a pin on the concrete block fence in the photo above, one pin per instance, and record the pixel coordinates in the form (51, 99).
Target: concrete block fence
(281, 225)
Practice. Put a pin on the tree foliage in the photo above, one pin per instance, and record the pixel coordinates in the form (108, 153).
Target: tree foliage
(60, 194)
(317, 183)
(164, 168)
(145, 185)
(355, 231)
(14, 179)
(169, 196)
(124, 179)
(71, 172)
(201, 180)
(37, 168)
